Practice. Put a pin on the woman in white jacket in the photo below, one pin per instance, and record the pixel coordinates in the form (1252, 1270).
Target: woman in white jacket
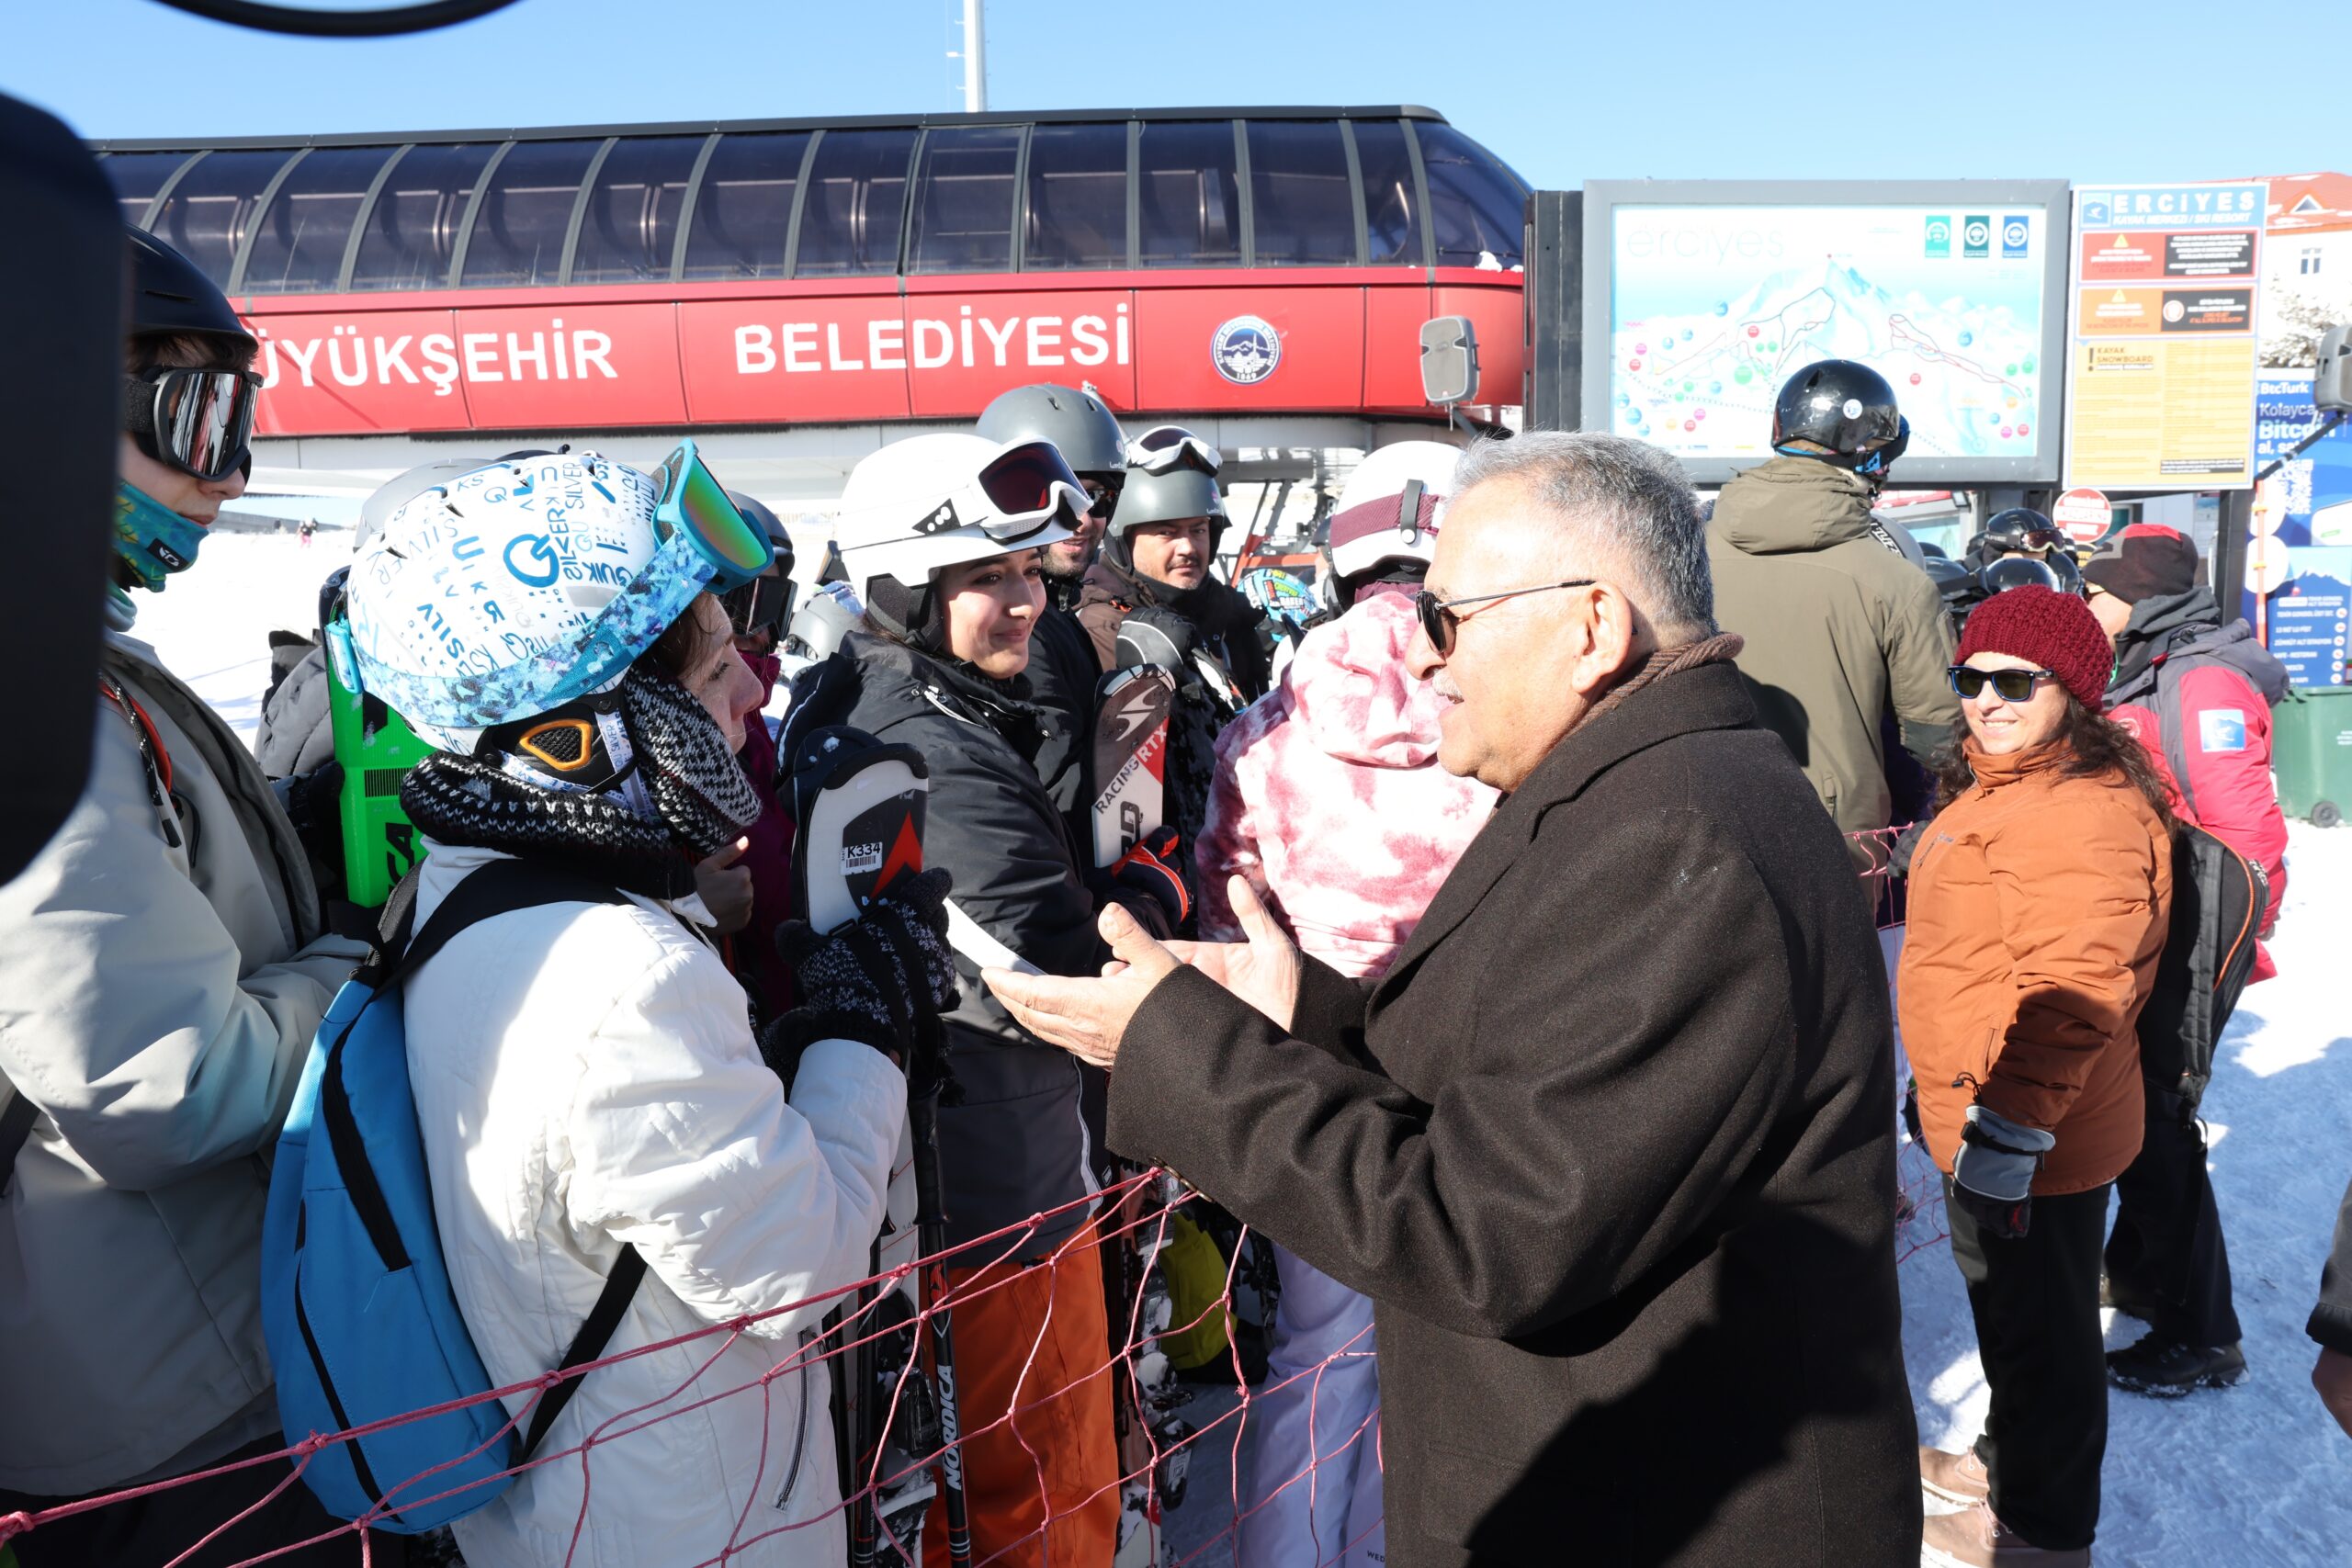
(585, 1074)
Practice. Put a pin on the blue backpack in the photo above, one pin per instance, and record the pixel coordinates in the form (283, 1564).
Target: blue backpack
(357, 1304)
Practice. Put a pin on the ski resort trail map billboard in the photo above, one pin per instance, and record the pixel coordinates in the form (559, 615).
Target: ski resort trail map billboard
(1707, 305)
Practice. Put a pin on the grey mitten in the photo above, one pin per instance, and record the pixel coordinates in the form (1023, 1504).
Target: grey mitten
(1992, 1176)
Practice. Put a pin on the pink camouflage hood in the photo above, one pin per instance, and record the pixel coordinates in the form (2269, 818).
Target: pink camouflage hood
(1348, 686)
(1329, 798)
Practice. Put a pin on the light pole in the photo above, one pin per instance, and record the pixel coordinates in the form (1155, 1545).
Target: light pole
(976, 59)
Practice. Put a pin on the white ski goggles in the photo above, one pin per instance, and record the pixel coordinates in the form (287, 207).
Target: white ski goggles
(1025, 489)
(1166, 447)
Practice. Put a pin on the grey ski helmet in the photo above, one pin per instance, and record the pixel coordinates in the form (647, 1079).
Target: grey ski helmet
(1072, 418)
(1172, 497)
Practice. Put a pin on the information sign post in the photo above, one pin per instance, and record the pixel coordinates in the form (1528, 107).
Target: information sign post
(2166, 282)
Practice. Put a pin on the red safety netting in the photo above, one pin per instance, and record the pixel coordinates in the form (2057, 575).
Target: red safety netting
(1134, 1264)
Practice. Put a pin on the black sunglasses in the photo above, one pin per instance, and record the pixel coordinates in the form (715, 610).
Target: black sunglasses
(1440, 619)
(2014, 685)
(762, 604)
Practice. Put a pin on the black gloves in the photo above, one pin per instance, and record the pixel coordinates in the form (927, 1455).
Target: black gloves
(882, 980)
(313, 805)
(1992, 1176)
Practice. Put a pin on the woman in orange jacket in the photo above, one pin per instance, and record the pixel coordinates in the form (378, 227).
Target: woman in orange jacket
(2037, 909)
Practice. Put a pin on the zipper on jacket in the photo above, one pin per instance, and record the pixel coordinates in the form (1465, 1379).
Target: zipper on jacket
(800, 1440)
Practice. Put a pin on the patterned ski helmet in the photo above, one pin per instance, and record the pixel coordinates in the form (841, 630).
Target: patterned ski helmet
(512, 590)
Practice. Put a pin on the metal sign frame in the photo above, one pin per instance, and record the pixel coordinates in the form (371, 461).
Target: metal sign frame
(2051, 198)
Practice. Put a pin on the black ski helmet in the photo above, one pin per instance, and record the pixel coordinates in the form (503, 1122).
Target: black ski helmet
(1844, 407)
(2019, 528)
(2058, 573)
(171, 296)
(1072, 418)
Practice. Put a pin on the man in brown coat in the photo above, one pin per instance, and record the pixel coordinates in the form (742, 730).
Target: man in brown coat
(1608, 1146)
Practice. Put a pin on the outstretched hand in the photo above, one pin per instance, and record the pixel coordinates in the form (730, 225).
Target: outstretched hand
(1261, 970)
(1090, 1018)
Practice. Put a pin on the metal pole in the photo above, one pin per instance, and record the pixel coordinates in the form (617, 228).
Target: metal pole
(931, 1233)
(975, 61)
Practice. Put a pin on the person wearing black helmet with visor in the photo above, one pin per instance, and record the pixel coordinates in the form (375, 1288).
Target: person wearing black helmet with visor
(1841, 629)
(1076, 424)
(165, 963)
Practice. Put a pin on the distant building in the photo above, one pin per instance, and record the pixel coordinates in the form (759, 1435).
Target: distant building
(2306, 264)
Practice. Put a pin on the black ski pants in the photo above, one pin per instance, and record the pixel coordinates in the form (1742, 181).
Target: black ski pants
(2035, 1298)
(2167, 1249)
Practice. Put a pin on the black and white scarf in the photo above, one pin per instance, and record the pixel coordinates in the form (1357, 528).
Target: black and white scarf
(673, 787)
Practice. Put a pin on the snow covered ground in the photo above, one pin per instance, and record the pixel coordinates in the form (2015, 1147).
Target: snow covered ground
(2254, 1475)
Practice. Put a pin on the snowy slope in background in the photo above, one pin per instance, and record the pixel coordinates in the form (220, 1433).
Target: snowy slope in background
(211, 624)
(2255, 1475)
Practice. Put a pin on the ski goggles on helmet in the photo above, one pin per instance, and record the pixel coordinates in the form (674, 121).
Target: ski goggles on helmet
(1968, 683)
(691, 503)
(1166, 447)
(199, 422)
(1879, 457)
(2039, 541)
(1023, 489)
(762, 604)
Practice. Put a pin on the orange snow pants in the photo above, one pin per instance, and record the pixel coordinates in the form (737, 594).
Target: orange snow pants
(1037, 1345)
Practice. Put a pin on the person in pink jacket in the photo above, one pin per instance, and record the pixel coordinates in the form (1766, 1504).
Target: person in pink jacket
(1328, 798)
(2198, 694)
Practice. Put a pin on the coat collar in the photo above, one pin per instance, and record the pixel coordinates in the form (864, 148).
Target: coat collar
(1711, 696)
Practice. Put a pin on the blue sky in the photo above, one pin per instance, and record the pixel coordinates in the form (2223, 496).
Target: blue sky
(2086, 89)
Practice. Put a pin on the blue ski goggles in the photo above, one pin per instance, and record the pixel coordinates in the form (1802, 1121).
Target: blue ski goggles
(692, 504)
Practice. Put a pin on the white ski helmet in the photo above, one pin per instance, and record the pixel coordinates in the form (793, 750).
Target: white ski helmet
(930, 501)
(509, 591)
(1385, 471)
(1388, 514)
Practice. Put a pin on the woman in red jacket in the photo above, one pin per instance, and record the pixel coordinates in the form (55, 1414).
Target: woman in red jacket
(2038, 907)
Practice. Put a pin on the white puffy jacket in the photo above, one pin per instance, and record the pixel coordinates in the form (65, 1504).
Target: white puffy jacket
(585, 1077)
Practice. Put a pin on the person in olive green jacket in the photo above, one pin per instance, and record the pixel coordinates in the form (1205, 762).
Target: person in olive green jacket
(1842, 629)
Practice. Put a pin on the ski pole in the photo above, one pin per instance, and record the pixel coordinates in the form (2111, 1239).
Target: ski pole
(931, 1231)
(865, 1518)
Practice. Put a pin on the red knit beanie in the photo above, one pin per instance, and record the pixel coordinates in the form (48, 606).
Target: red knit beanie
(2055, 630)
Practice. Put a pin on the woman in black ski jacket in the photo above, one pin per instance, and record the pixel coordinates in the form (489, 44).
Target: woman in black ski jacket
(953, 587)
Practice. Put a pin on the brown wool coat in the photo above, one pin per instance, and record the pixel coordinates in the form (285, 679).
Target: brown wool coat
(2038, 910)
(1609, 1149)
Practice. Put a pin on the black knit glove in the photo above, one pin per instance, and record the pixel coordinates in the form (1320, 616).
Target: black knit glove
(882, 980)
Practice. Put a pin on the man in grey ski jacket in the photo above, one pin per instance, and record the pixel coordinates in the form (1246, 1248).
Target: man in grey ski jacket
(162, 967)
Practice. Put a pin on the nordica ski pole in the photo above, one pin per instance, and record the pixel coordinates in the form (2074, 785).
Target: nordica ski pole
(931, 1233)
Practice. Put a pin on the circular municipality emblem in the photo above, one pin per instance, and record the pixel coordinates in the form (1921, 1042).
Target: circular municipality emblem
(1979, 231)
(1246, 351)
(2175, 311)
(2014, 232)
(1939, 232)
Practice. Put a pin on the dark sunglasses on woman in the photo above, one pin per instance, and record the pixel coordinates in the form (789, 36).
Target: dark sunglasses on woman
(2014, 685)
